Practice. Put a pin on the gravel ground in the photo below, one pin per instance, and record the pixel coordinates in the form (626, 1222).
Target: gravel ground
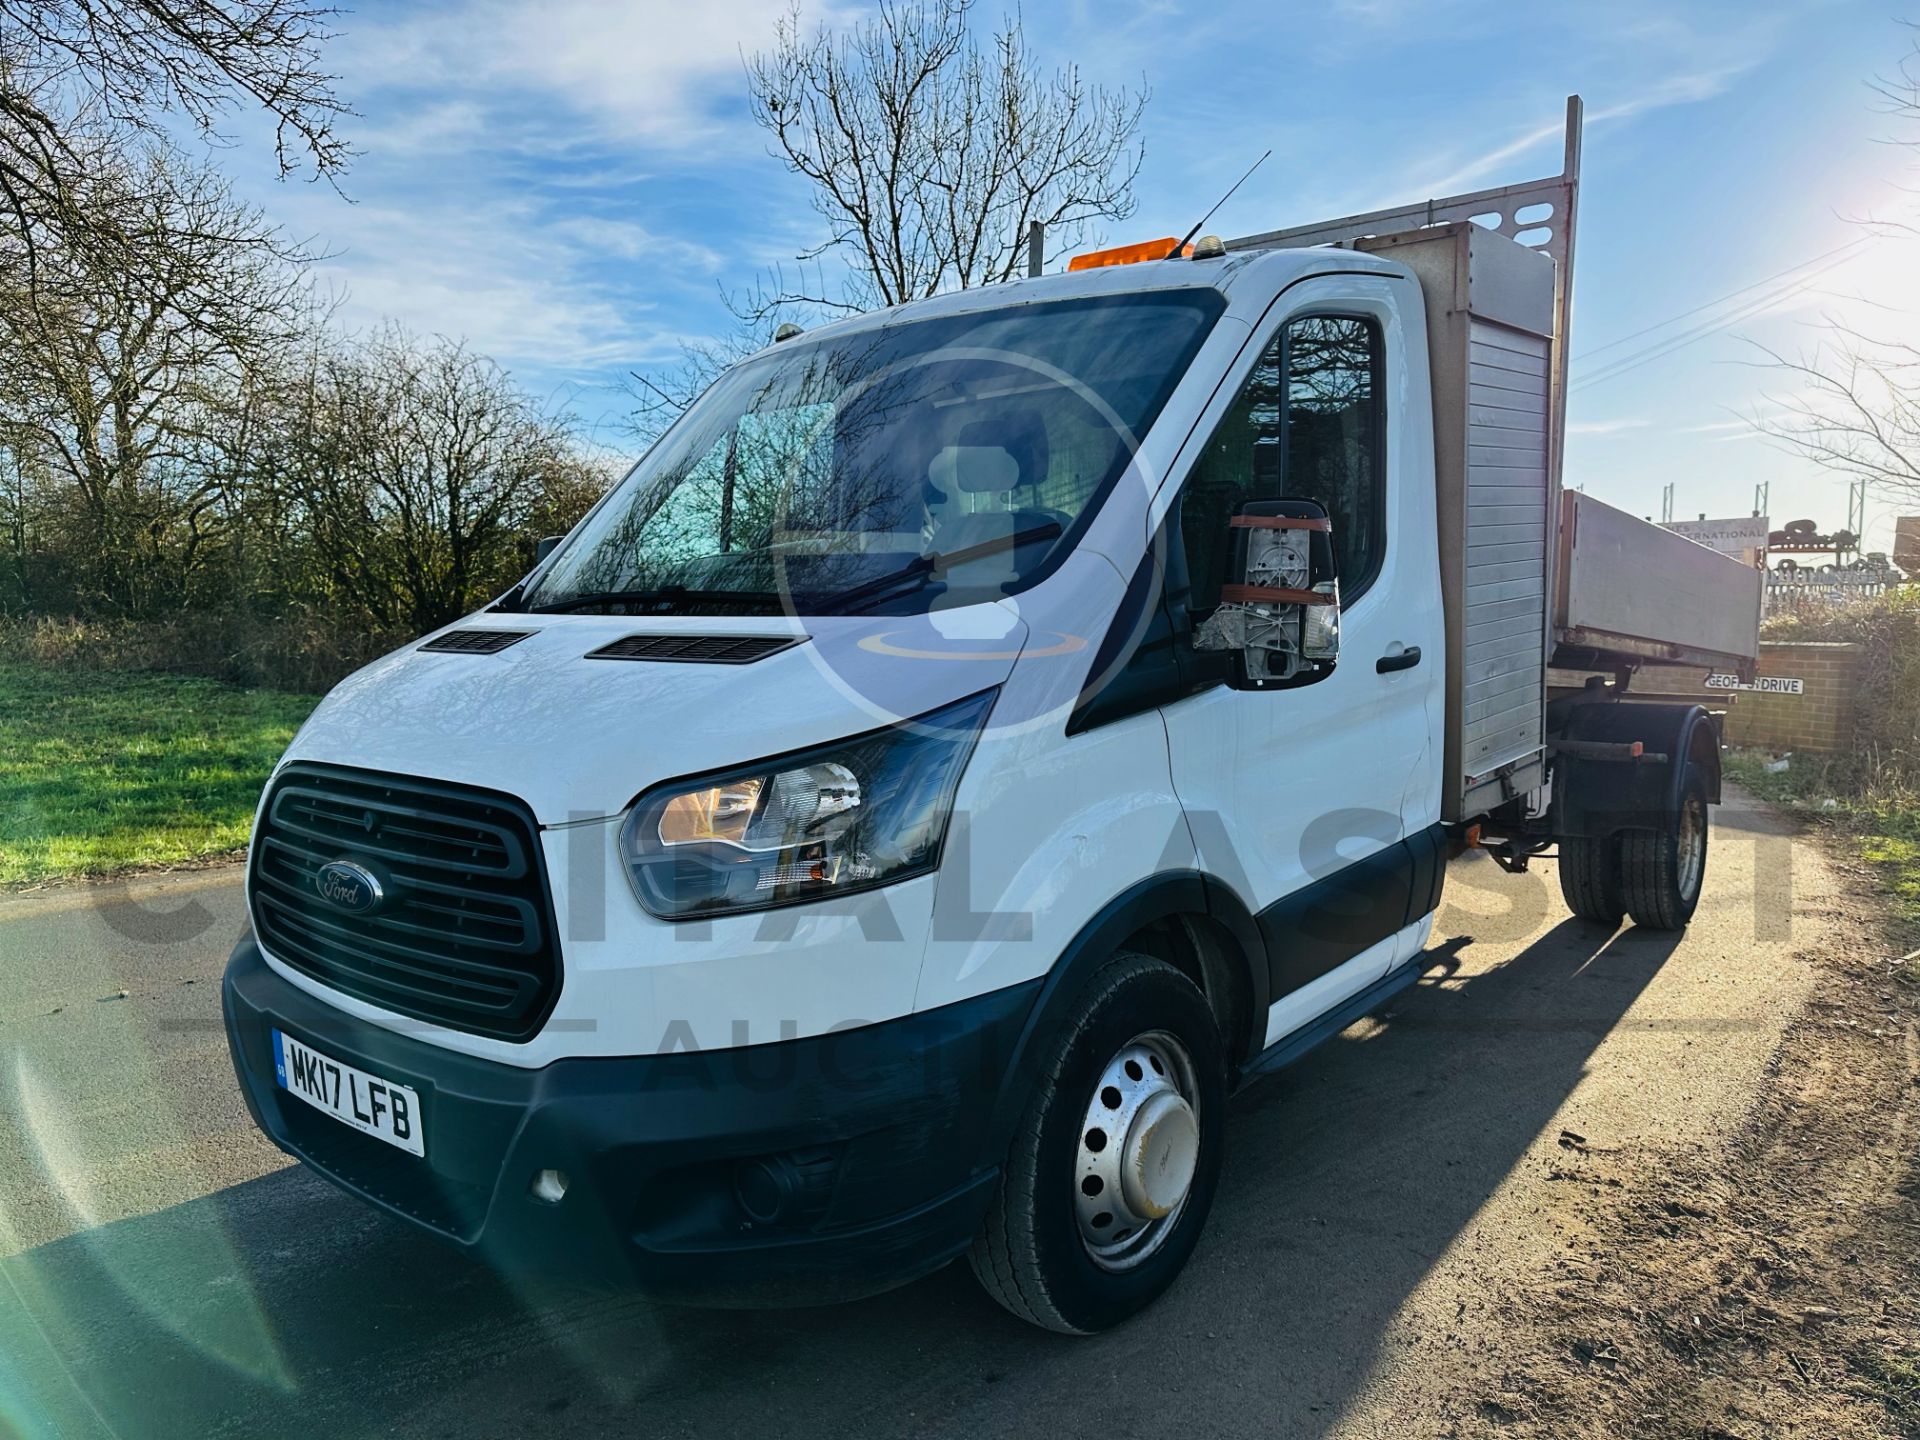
(1439, 1223)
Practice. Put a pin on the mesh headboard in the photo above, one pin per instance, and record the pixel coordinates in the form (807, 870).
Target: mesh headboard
(1496, 209)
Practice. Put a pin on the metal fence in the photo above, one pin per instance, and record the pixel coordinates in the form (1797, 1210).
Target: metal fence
(1808, 589)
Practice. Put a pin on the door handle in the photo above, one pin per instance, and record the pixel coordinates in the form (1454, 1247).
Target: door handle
(1405, 660)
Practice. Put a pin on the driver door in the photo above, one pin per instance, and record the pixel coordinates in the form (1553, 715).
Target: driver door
(1308, 800)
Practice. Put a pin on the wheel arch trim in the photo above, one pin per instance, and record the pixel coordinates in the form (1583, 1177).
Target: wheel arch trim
(1179, 895)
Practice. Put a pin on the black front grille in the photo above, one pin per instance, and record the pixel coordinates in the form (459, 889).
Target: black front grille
(697, 649)
(475, 642)
(464, 936)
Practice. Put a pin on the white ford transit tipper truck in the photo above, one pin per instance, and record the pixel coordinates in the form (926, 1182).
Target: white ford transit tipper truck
(973, 742)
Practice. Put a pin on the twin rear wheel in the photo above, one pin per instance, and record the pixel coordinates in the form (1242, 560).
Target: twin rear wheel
(1653, 875)
(1114, 1164)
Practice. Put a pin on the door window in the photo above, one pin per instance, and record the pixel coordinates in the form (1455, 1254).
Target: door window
(1305, 426)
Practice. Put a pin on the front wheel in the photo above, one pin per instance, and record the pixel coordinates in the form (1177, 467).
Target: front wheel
(1115, 1162)
(1662, 871)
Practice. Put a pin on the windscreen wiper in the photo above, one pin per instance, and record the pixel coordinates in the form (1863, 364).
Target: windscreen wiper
(665, 598)
(917, 570)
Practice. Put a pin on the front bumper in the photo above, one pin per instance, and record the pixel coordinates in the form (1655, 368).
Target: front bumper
(867, 1155)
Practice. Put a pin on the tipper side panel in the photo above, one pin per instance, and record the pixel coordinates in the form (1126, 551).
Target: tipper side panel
(1630, 591)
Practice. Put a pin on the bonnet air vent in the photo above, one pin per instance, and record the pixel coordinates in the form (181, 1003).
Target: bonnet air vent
(697, 649)
(476, 642)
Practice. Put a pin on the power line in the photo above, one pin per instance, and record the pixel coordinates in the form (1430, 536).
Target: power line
(1660, 349)
(1854, 243)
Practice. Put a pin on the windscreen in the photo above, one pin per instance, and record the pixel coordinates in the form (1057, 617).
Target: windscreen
(900, 468)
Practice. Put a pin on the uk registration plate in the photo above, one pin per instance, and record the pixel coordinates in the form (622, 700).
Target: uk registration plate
(380, 1108)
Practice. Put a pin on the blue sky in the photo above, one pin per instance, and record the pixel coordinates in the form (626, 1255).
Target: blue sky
(567, 184)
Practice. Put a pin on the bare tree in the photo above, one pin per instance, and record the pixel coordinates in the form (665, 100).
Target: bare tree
(417, 472)
(107, 373)
(1857, 412)
(82, 81)
(1857, 409)
(660, 395)
(929, 154)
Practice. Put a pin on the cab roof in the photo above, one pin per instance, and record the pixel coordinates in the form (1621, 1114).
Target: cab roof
(1264, 271)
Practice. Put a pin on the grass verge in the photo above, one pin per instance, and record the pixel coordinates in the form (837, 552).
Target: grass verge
(1880, 816)
(106, 772)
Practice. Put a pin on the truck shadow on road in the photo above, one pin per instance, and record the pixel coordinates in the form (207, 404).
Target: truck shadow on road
(278, 1306)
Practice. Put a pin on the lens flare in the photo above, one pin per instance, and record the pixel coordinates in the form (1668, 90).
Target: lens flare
(174, 1269)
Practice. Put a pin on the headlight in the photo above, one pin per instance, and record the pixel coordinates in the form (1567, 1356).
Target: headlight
(847, 816)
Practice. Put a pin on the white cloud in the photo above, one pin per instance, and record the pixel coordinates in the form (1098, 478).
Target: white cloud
(436, 128)
(1375, 12)
(506, 191)
(1745, 427)
(1685, 88)
(523, 291)
(1651, 56)
(1481, 166)
(649, 72)
(607, 238)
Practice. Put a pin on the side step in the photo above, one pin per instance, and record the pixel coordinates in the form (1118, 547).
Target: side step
(1289, 1048)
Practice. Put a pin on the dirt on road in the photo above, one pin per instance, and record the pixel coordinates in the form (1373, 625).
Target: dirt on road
(1769, 1285)
(1574, 1183)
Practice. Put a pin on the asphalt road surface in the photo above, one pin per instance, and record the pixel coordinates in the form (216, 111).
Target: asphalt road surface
(165, 1271)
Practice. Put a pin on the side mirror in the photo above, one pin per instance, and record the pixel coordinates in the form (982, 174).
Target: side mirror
(545, 546)
(1280, 606)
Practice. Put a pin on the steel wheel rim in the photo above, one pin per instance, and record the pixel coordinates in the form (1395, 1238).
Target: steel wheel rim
(1137, 1151)
(1692, 844)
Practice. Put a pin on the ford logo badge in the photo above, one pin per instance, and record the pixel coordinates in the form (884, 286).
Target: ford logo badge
(347, 886)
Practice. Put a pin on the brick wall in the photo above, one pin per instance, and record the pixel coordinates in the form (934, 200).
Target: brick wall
(1817, 722)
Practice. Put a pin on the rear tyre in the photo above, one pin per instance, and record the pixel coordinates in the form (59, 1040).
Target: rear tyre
(1662, 871)
(1590, 879)
(1114, 1164)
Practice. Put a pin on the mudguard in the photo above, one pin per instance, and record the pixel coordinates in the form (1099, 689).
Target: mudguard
(1594, 798)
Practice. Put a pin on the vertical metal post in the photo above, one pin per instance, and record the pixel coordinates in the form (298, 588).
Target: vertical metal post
(1565, 216)
(1036, 248)
(1568, 208)
(1666, 503)
(1760, 494)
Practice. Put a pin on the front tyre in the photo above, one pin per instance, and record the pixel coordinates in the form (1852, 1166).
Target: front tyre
(1115, 1162)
